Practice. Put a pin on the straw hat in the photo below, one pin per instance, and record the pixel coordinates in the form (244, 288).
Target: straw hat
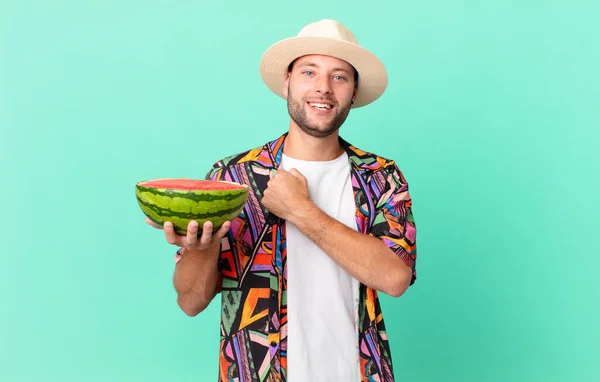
(327, 37)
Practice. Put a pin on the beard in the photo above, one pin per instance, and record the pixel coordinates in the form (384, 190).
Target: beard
(298, 114)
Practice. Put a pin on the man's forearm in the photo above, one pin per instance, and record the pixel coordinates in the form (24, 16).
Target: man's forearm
(365, 257)
(195, 280)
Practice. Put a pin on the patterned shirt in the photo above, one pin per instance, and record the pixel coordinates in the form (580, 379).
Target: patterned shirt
(252, 265)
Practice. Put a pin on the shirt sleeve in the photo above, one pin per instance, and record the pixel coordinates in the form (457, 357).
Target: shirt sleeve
(393, 221)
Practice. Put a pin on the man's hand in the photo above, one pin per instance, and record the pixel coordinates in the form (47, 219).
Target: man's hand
(286, 193)
(190, 241)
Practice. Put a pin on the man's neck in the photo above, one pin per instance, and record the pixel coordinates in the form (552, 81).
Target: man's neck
(299, 145)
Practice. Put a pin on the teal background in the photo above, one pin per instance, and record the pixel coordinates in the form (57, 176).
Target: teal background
(492, 113)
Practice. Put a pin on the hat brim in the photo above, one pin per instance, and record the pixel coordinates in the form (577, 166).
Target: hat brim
(373, 78)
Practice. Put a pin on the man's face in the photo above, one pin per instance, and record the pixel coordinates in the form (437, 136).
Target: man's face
(320, 90)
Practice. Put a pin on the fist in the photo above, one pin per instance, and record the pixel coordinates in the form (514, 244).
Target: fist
(286, 193)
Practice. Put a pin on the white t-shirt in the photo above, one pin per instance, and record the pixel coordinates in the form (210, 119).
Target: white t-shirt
(321, 296)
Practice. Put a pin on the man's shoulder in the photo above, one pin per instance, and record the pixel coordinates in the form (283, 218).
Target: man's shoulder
(261, 154)
(369, 160)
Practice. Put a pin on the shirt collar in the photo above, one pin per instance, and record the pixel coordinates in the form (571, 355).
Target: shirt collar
(360, 160)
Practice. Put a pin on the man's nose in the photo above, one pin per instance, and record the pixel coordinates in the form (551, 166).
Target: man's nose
(323, 85)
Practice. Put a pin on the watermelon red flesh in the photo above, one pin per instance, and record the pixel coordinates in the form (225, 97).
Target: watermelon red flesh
(164, 200)
(190, 184)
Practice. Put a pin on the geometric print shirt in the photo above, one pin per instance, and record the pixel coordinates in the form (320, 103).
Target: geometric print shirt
(252, 264)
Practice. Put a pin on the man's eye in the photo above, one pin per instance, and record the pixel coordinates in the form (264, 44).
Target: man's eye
(340, 77)
(307, 72)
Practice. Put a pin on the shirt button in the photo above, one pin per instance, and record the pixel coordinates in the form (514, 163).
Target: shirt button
(273, 343)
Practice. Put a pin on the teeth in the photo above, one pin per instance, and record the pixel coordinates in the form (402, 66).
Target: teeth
(321, 106)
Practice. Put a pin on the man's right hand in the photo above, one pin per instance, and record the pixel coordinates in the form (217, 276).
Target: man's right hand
(191, 241)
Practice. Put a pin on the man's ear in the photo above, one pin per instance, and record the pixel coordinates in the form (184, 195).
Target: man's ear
(286, 84)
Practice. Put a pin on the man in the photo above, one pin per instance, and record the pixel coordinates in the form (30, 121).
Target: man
(325, 228)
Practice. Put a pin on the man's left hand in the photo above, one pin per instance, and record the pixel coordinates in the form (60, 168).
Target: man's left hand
(286, 194)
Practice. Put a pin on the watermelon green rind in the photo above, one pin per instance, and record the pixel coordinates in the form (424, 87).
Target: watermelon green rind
(182, 206)
(186, 209)
(194, 212)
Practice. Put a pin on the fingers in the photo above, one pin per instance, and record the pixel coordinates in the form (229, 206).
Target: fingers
(272, 178)
(170, 234)
(153, 224)
(279, 171)
(223, 230)
(278, 176)
(188, 241)
(297, 174)
(293, 171)
(206, 234)
(191, 240)
(192, 235)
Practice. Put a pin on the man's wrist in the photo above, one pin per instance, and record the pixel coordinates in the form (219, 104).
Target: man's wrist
(202, 254)
(305, 214)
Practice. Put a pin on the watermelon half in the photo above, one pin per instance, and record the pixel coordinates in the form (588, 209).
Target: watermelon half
(181, 200)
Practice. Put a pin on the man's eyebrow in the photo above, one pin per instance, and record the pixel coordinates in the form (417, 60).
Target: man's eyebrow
(308, 64)
(341, 70)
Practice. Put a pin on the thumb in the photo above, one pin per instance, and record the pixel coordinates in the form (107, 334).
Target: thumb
(296, 173)
(274, 172)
